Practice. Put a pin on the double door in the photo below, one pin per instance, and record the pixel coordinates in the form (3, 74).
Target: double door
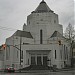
(38, 60)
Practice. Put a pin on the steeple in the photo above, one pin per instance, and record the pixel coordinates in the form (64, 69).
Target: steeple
(43, 7)
(42, 0)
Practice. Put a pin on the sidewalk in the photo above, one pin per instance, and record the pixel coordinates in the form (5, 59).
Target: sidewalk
(33, 71)
(68, 69)
(43, 71)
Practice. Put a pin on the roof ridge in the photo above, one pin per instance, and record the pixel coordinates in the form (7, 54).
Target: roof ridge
(23, 34)
(42, 7)
(57, 34)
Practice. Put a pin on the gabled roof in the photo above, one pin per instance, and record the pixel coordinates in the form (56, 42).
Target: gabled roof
(56, 34)
(43, 7)
(23, 34)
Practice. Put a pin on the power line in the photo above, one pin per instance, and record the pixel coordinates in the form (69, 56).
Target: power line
(6, 28)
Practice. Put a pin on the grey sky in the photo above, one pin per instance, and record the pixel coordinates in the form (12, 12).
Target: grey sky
(13, 14)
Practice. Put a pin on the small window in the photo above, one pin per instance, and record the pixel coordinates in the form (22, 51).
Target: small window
(64, 52)
(41, 36)
(21, 54)
(55, 54)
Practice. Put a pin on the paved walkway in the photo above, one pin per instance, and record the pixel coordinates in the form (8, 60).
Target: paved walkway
(46, 71)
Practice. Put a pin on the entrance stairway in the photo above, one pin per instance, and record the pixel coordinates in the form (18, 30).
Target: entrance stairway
(39, 67)
(36, 67)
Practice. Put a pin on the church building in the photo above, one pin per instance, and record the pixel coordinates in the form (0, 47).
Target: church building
(40, 43)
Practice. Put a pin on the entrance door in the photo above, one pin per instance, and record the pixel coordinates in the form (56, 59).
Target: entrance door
(39, 60)
(33, 60)
(45, 60)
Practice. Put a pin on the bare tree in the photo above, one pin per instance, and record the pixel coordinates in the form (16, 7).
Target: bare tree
(70, 35)
(69, 32)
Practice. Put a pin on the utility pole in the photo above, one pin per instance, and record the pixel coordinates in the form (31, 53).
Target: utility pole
(20, 51)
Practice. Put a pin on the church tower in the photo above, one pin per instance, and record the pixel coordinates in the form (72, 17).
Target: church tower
(42, 22)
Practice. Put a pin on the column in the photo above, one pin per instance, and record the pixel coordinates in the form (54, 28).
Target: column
(42, 59)
(36, 59)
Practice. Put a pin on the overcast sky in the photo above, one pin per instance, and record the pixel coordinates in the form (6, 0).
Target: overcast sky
(13, 14)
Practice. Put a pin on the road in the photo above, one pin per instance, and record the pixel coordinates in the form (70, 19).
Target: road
(43, 73)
